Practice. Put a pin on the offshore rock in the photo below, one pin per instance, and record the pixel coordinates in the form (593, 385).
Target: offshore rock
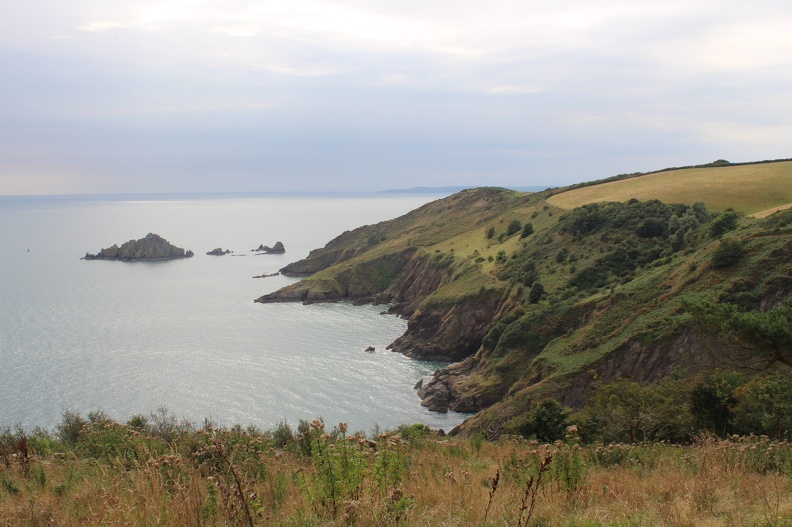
(267, 275)
(278, 248)
(218, 252)
(152, 247)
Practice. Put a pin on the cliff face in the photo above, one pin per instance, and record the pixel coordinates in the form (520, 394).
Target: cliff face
(598, 292)
(152, 247)
(410, 264)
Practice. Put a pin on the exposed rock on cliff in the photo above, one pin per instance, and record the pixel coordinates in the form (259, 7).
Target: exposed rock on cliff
(152, 247)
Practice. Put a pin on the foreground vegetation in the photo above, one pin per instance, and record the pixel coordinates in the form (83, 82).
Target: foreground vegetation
(160, 471)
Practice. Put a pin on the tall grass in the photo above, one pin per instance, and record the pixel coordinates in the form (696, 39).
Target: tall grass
(114, 475)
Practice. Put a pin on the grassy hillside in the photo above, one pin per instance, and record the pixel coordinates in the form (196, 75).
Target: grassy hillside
(534, 302)
(749, 188)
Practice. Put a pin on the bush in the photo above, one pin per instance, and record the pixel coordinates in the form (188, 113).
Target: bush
(535, 295)
(513, 228)
(68, 430)
(652, 227)
(727, 254)
(547, 422)
(283, 435)
(724, 223)
(527, 230)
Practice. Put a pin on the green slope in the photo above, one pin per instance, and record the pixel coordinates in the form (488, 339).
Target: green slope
(596, 292)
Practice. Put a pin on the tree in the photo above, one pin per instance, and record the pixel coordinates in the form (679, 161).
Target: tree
(700, 211)
(513, 228)
(712, 402)
(749, 339)
(636, 412)
(527, 230)
(765, 407)
(490, 232)
(547, 422)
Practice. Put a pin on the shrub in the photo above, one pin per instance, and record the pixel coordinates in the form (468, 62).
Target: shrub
(283, 435)
(651, 227)
(725, 222)
(535, 295)
(69, 428)
(527, 230)
(513, 228)
(701, 213)
(528, 275)
(547, 422)
(727, 254)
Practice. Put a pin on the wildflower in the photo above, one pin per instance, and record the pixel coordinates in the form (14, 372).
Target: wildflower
(572, 430)
(342, 427)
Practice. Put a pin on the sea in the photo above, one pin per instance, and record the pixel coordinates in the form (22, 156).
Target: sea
(184, 336)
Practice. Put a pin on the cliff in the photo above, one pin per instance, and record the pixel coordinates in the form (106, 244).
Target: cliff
(531, 301)
(152, 247)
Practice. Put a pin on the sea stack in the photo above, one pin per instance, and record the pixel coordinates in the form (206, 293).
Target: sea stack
(152, 247)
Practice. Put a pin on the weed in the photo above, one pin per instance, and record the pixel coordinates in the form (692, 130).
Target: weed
(531, 490)
(493, 489)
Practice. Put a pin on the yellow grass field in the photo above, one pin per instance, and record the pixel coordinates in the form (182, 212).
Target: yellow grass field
(747, 188)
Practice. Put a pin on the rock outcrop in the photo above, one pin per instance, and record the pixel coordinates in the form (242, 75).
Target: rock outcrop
(267, 275)
(278, 248)
(152, 247)
(218, 252)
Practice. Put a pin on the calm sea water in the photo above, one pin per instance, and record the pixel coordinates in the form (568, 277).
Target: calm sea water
(128, 338)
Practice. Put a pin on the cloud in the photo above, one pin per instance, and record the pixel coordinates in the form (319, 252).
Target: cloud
(334, 91)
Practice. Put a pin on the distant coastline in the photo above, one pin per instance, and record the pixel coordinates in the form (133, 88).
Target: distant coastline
(198, 196)
(455, 189)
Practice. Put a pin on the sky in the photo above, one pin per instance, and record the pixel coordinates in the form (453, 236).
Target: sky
(343, 95)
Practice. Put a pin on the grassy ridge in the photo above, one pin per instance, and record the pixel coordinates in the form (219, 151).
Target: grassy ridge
(745, 188)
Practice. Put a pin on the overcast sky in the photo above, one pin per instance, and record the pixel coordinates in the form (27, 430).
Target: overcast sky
(101, 96)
